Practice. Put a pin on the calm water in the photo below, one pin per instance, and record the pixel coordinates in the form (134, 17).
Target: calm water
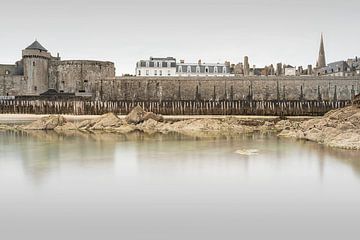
(105, 186)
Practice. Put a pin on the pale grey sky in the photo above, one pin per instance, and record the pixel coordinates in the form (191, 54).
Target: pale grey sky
(268, 31)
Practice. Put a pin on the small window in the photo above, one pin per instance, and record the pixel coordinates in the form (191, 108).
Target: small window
(188, 69)
(33, 63)
(139, 74)
(86, 81)
(206, 70)
(160, 72)
(63, 82)
(168, 72)
(147, 72)
(35, 88)
(155, 72)
(7, 72)
(61, 91)
(81, 91)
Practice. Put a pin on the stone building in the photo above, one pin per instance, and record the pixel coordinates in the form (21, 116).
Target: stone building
(38, 71)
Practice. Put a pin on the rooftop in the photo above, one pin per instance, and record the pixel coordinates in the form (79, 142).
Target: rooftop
(37, 46)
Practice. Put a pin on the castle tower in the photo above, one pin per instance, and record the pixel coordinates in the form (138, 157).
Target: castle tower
(321, 60)
(36, 68)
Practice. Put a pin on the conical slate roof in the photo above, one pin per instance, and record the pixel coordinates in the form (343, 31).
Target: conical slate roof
(37, 46)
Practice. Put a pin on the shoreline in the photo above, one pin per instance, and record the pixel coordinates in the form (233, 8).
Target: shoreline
(8, 118)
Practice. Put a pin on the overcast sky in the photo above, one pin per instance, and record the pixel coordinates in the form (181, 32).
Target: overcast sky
(268, 31)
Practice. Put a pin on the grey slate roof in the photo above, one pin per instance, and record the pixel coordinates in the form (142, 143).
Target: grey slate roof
(36, 46)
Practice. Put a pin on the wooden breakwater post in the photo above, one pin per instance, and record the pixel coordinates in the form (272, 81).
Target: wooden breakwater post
(174, 107)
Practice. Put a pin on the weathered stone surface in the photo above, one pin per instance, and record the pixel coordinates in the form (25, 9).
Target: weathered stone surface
(105, 122)
(46, 123)
(138, 115)
(338, 128)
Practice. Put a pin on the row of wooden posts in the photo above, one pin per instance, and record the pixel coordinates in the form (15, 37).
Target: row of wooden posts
(185, 107)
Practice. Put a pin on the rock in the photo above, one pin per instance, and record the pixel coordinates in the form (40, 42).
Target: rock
(46, 123)
(153, 116)
(135, 116)
(107, 121)
(338, 128)
(138, 115)
(66, 127)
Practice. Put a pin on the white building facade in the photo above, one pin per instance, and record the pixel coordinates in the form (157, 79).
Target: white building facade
(156, 67)
(165, 67)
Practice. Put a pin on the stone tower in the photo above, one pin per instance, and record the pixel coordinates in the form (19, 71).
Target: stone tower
(246, 66)
(321, 60)
(36, 68)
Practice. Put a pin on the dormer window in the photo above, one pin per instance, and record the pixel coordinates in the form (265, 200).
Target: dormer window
(188, 69)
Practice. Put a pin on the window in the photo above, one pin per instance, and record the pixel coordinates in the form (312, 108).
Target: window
(147, 72)
(180, 69)
(139, 73)
(35, 88)
(7, 72)
(168, 72)
(33, 63)
(155, 72)
(86, 81)
(206, 70)
(160, 72)
(189, 69)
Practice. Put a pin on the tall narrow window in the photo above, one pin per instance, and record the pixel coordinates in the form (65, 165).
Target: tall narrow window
(189, 69)
(155, 72)
(160, 72)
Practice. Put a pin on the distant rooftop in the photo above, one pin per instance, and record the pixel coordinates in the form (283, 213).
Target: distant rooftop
(37, 46)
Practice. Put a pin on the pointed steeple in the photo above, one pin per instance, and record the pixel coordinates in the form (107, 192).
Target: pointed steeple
(321, 60)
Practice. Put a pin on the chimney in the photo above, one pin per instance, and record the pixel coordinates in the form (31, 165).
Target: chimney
(199, 62)
(182, 61)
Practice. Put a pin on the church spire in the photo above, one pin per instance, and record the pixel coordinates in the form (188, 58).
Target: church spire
(321, 60)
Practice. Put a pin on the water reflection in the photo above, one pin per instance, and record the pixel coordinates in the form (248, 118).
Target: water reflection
(42, 153)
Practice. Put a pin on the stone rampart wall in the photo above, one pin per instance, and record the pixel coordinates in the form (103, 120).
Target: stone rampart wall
(12, 85)
(227, 88)
(78, 75)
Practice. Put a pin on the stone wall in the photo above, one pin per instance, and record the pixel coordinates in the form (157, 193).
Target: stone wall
(78, 76)
(12, 85)
(7, 69)
(230, 88)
